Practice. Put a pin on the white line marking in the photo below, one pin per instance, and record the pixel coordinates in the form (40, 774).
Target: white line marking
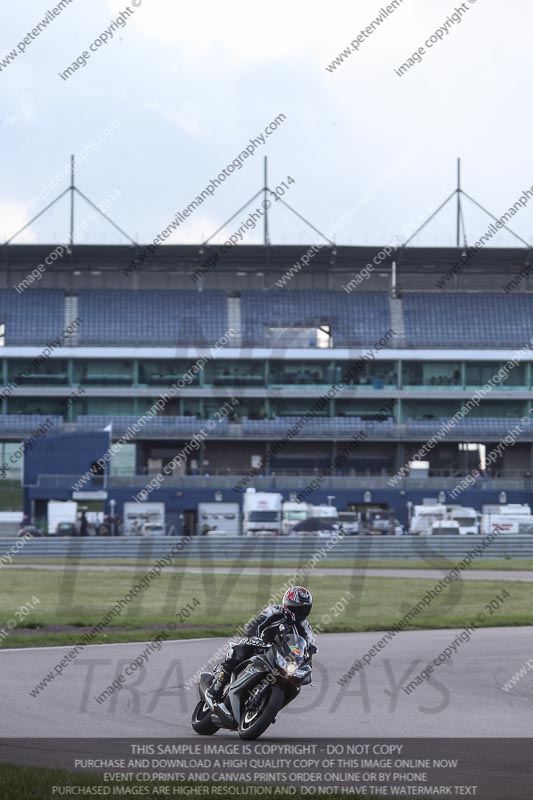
(103, 644)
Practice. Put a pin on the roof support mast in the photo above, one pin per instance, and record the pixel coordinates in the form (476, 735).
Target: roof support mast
(73, 189)
(266, 233)
(460, 226)
(266, 238)
(458, 233)
(71, 236)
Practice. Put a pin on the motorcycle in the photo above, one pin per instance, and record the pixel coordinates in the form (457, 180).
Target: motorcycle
(258, 688)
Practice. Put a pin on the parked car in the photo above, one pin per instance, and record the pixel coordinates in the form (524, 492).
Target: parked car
(66, 529)
(379, 523)
(398, 527)
(314, 526)
(349, 523)
(30, 530)
(153, 529)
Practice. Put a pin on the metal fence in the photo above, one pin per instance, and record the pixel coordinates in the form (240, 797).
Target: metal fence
(285, 482)
(264, 549)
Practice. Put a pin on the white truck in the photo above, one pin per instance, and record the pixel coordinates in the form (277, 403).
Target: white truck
(293, 512)
(423, 518)
(61, 511)
(10, 522)
(261, 513)
(218, 519)
(329, 513)
(511, 518)
(468, 519)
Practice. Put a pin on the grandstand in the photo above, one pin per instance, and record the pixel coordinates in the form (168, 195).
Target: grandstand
(153, 317)
(405, 346)
(354, 320)
(159, 318)
(457, 319)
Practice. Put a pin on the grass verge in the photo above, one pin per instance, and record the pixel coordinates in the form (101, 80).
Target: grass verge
(332, 563)
(199, 605)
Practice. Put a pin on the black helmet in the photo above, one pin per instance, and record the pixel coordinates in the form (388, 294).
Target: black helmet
(297, 602)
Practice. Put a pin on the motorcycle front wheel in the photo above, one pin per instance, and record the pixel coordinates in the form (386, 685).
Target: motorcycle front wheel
(254, 723)
(201, 719)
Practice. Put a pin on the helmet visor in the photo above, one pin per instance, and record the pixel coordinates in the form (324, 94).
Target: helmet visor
(300, 611)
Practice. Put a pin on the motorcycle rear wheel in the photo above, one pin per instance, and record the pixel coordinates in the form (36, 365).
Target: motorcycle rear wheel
(201, 719)
(253, 725)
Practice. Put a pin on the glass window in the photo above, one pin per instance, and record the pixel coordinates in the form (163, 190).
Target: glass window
(437, 409)
(103, 372)
(123, 460)
(300, 373)
(430, 409)
(29, 372)
(263, 516)
(192, 407)
(296, 408)
(46, 406)
(253, 408)
(166, 372)
(295, 516)
(12, 468)
(369, 374)
(504, 408)
(231, 411)
(478, 374)
(432, 374)
(366, 409)
(235, 373)
(103, 406)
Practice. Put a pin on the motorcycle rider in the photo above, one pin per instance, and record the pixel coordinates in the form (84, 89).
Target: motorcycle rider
(295, 608)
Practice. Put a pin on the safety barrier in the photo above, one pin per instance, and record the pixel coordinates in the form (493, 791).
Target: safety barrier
(266, 549)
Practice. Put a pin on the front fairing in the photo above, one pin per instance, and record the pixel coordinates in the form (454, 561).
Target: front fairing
(253, 672)
(286, 663)
(292, 657)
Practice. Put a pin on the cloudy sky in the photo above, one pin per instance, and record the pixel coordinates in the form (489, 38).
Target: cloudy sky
(178, 92)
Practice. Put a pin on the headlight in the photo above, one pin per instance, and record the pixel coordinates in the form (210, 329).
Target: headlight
(301, 673)
(291, 669)
(281, 661)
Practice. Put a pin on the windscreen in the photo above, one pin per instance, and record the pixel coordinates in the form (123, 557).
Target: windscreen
(295, 516)
(294, 647)
(263, 516)
(465, 520)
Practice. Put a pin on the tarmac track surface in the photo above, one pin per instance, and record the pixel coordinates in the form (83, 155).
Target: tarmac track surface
(463, 698)
(475, 575)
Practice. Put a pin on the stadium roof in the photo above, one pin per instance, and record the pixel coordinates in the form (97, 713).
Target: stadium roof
(252, 258)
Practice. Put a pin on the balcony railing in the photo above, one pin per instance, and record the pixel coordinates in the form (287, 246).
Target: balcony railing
(285, 482)
(469, 429)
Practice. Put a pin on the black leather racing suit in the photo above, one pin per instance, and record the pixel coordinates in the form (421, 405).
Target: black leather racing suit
(261, 631)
